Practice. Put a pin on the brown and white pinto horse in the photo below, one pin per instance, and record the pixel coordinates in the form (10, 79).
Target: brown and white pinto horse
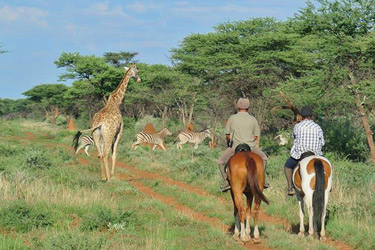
(312, 179)
(246, 176)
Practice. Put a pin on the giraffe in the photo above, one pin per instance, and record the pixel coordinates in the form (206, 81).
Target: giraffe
(107, 124)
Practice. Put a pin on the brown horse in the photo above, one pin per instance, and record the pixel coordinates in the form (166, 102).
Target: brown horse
(246, 176)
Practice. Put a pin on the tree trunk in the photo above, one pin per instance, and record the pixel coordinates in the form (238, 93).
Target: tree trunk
(366, 126)
(212, 143)
(191, 108)
(164, 116)
(363, 114)
(52, 115)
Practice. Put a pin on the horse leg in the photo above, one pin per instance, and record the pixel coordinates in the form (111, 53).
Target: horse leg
(301, 215)
(249, 198)
(196, 146)
(236, 218)
(241, 212)
(155, 145)
(310, 211)
(322, 231)
(255, 217)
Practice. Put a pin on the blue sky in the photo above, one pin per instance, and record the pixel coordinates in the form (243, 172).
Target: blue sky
(35, 33)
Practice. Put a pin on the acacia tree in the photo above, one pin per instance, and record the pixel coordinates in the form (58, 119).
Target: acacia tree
(239, 59)
(119, 59)
(342, 41)
(49, 97)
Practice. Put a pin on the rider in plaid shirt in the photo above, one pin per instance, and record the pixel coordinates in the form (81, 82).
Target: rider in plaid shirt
(308, 137)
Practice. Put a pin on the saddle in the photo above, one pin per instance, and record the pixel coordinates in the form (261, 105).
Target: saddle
(304, 155)
(242, 147)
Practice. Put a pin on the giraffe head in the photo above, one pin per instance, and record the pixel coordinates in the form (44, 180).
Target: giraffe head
(133, 72)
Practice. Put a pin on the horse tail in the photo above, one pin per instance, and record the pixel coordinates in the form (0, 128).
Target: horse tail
(252, 179)
(318, 198)
(76, 140)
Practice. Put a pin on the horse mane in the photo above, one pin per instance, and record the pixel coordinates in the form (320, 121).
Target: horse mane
(253, 179)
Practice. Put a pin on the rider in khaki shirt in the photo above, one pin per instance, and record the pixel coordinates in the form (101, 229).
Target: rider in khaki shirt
(244, 128)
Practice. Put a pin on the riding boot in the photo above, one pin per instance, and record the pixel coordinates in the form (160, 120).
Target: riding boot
(266, 184)
(224, 186)
(288, 174)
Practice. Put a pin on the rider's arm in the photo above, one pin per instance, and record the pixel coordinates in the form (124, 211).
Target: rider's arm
(228, 139)
(256, 139)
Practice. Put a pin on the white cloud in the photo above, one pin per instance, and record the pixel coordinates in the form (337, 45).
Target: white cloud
(103, 9)
(23, 14)
(141, 7)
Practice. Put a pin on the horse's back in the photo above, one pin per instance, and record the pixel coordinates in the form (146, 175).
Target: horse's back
(241, 157)
(237, 166)
(307, 172)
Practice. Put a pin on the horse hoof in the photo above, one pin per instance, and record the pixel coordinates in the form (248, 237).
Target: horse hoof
(323, 238)
(235, 236)
(256, 240)
(246, 238)
(316, 236)
(301, 234)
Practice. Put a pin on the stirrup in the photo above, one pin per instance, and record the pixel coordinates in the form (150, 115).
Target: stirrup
(224, 189)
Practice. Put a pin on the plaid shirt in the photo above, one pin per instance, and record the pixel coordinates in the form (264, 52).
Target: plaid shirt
(308, 136)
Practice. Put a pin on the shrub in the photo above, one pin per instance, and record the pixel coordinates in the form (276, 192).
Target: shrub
(342, 137)
(101, 218)
(38, 158)
(23, 217)
(72, 240)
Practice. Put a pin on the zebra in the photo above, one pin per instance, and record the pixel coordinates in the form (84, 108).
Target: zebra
(156, 139)
(192, 137)
(85, 142)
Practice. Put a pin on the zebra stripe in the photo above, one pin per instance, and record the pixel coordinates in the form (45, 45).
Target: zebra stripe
(192, 137)
(85, 142)
(156, 139)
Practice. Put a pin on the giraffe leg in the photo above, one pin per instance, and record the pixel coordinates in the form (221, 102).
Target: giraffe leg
(102, 168)
(115, 146)
(106, 168)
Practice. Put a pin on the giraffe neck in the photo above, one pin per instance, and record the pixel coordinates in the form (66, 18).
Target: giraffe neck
(116, 97)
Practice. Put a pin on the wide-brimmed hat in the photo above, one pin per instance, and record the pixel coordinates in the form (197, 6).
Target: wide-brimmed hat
(306, 112)
(243, 103)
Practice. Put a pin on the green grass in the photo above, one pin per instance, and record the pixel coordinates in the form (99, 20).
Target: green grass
(48, 200)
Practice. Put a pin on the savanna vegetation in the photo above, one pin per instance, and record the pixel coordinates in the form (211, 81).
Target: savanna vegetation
(322, 57)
